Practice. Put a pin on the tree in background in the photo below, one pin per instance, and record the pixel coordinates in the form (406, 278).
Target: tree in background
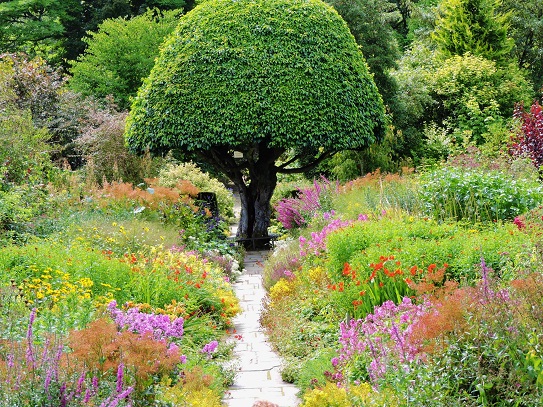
(35, 27)
(114, 62)
(53, 29)
(527, 32)
(263, 79)
(370, 22)
(528, 141)
(472, 26)
(465, 92)
(38, 89)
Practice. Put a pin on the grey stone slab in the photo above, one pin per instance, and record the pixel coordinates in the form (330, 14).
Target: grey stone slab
(258, 366)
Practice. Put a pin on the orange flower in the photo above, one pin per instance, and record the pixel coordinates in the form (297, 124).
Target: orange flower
(346, 269)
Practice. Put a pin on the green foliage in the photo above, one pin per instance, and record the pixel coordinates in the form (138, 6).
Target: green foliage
(475, 94)
(454, 102)
(477, 196)
(34, 86)
(235, 73)
(24, 154)
(170, 175)
(34, 27)
(377, 192)
(472, 26)
(312, 371)
(370, 22)
(114, 63)
(527, 32)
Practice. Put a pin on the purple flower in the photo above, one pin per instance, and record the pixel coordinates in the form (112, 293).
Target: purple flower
(120, 376)
(160, 326)
(210, 348)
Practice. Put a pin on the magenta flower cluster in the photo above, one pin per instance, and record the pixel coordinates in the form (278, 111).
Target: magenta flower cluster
(317, 243)
(382, 338)
(160, 326)
(210, 347)
(298, 212)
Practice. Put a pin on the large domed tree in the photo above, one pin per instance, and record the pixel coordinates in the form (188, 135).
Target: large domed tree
(264, 78)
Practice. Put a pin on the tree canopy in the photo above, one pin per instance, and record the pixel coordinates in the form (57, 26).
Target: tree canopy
(259, 77)
(237, 73)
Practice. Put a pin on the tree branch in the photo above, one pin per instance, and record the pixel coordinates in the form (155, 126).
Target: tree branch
(318, 160)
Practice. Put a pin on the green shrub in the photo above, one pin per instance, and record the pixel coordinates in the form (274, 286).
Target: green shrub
(421, 243)
(172, 174)
(378, 191)
(477, 196)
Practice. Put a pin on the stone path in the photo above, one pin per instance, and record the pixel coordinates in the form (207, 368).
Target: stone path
(258, 377)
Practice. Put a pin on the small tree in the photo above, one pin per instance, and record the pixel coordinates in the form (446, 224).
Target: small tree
(473, 26)
(114, 62)
(262, 78)
(528, 142)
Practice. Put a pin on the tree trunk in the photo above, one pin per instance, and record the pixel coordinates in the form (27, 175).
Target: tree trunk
(255, 199)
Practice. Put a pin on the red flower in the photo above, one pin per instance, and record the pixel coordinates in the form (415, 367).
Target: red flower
(346, 269)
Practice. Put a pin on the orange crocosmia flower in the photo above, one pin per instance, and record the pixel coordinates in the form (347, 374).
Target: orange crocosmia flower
(413, 270)
(431, 267)
(381, 284)
(346, 269)
(408, 281)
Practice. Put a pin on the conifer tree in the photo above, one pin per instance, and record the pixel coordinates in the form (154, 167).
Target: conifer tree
(472, 26)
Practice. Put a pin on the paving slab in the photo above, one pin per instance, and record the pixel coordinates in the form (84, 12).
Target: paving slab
(258, 377)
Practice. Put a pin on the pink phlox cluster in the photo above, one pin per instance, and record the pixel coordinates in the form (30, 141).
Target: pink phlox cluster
(383, 336)
(160, 326)
(210, 347)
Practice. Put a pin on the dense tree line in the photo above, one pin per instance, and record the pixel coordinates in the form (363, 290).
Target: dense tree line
(449, 71)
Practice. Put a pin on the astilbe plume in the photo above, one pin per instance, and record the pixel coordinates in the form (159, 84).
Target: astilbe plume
(102, 348)
(299, 211)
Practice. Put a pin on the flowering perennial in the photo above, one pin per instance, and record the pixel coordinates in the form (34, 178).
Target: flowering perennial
(160, 326)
